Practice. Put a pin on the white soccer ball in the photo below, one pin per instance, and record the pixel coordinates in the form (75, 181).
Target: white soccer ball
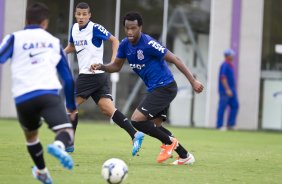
(114, 170)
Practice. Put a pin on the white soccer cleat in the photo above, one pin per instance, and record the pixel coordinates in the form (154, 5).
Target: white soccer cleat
(184, 161)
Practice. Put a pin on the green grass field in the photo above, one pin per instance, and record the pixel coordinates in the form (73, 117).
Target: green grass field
(221, 157)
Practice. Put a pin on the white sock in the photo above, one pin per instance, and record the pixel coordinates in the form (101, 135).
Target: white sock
(59, 144)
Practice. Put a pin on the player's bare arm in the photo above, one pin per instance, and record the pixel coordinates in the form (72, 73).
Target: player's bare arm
(69, 48)
(197, 85)
(115, 44)
(111, 67)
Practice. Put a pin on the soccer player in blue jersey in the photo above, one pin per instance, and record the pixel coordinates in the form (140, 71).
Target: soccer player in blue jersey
(86, 39)
(36, 58)
(227, 92)
(147, 58)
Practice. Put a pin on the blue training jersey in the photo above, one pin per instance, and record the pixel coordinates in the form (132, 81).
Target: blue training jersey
(227, 71)
(146, 58)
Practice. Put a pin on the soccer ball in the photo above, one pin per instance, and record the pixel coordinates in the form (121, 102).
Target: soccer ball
(114, 170)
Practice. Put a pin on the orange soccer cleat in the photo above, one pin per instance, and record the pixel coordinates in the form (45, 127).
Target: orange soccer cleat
(167, 150)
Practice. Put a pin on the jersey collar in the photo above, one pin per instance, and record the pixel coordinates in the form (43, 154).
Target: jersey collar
(33, 26)
(229, 63)
(83, 27)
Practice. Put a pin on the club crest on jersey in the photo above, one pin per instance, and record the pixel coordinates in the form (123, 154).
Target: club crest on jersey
(157, 46)
(140, 54)
(80, 42)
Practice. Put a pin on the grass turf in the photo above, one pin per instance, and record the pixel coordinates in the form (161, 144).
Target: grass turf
(221, 157)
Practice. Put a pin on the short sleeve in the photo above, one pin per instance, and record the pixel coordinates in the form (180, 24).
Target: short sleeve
(121, 53)
(100, 32)
(223, 71)
(156, 49)
(71, 38)
(6, 48)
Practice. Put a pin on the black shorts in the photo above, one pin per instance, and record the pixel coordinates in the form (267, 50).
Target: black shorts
(156, 103)
(94, 85)
(50, 107)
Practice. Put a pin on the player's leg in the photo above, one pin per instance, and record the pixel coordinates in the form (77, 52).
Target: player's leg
(184, 157)
(53, 111)
(35, 149)
(74, 122)
(84, 88)
(107, 108)
(141, 123)
(234, 107)
(223, 101)
(154, 103)
(79, 100)
(149, 128)
(29, 118)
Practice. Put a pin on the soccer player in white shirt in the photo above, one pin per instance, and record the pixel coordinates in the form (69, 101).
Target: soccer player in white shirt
(86, 39)
(36, 58)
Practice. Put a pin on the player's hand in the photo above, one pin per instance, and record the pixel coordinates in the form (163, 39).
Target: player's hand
(94, 67)
(197, 86)
(229, 93)
(72, 114)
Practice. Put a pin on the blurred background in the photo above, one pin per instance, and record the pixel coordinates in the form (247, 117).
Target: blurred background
(197, 31)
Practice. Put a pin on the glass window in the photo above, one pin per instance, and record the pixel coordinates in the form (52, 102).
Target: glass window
(272, 35)
(271, 66)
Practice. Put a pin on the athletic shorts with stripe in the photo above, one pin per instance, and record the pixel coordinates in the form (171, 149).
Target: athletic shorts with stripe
(94, 85)
(50, 107)
(155, 104)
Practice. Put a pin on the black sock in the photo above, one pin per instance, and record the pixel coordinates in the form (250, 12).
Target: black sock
(123, 122)
(74, 122)
(150, 129)
(166, 131)
(180, 150)
(36, 152)
(65, 138)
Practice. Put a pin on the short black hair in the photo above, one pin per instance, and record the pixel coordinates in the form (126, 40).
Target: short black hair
(133, 16)
(36, 13)
(83, 5)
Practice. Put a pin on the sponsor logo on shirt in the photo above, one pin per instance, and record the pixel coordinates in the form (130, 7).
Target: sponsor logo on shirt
(137, 66)
(102, 29)
(80, 42)
(156, 46)
(37, 45)
(35, 54)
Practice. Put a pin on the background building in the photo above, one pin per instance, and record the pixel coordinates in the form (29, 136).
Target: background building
(197, 31)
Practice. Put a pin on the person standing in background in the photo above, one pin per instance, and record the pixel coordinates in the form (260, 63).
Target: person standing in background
(227, 92)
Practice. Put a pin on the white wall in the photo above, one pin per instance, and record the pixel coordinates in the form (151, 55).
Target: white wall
(249, 59)
(250, 63)
(200, 100)
(14, 20)
(220, 35)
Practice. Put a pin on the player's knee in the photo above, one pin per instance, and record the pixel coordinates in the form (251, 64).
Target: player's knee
(106, 111)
